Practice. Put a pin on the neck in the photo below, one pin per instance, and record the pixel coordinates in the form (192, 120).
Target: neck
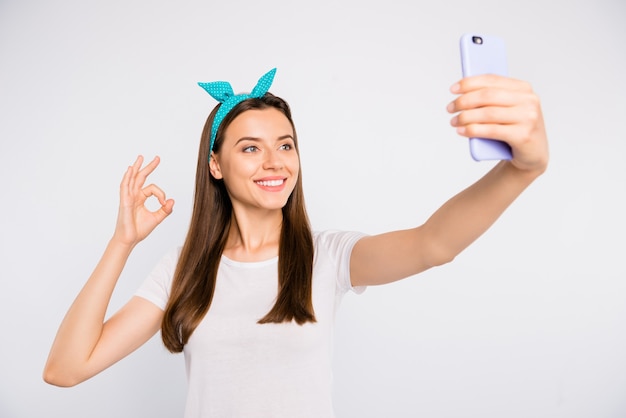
(254, 235)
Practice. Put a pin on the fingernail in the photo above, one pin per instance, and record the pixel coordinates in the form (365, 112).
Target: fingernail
(450, 107)
(460, 130)
(456, 87)
(454, 121)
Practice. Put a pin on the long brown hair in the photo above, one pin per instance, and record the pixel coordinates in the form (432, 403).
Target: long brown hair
(196, 272)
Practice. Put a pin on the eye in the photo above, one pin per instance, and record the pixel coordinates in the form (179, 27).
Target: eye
(286, 147)
(250, 148)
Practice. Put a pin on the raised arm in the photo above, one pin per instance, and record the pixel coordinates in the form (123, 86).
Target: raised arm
(85, 344)
(488, 107)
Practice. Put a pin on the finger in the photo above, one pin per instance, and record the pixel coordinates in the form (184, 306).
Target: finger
(126, 178)
(489, 96)
(138, 162)
(477, 82)
(125, 183)
(134, 170)
(156, 191)
(511, 134)
(164, 211)
(487, 114)
(168, 208)
(141, 174)
(148, 169)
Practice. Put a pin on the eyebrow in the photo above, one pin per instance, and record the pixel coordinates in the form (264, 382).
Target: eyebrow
(255, 139)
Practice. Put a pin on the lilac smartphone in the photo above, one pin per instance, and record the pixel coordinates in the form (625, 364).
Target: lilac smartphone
(485, 54)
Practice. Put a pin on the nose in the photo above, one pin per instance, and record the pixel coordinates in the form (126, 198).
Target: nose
(273, 160)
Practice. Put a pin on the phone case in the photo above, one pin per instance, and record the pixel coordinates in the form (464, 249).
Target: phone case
(485, 54)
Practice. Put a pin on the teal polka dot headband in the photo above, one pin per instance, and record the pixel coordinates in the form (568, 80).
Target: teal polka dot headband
(223, 93)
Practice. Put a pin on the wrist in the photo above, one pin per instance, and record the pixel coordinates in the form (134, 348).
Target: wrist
(120, 244)
(526, 173)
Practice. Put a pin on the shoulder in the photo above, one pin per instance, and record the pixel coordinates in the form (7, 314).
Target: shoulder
(335, 241)
(335, 245)
(333, 250)
(169, 260)
(156, 287)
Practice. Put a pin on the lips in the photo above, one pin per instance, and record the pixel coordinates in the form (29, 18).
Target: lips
(270, 183)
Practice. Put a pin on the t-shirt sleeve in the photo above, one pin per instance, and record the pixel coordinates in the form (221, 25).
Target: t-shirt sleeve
(156, 287)
(338, 245)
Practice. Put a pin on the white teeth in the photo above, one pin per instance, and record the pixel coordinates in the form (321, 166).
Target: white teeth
(270, 183)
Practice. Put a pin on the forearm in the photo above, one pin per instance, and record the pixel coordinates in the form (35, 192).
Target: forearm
(82, 326)
(466, 216)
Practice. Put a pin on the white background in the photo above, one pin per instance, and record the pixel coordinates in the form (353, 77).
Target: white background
(528, 322)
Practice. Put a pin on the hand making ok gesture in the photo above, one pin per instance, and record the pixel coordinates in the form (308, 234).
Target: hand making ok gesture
(135, 221)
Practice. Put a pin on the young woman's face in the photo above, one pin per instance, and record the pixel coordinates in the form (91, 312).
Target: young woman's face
(258, 159)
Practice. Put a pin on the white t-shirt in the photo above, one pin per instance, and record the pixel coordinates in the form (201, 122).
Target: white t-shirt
(239, 368)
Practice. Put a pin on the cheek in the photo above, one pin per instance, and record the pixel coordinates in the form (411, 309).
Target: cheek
(294, 165)
(239, 169)
(296, 176)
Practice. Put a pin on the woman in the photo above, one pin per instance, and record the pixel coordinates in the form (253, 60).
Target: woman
(251, 296)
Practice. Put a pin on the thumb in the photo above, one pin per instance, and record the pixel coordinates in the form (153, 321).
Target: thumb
(165, 210)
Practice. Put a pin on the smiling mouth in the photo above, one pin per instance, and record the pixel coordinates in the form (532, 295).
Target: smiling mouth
(270, 183)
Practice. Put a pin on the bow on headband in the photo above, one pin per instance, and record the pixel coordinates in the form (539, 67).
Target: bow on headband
(223, 93)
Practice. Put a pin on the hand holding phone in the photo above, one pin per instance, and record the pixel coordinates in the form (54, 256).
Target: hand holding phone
(485, 54)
